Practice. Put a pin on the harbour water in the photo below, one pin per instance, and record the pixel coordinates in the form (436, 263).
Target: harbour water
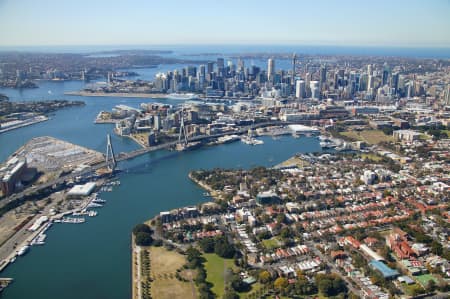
(92, 260)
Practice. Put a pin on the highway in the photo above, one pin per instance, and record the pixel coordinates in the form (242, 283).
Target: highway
(127, 156)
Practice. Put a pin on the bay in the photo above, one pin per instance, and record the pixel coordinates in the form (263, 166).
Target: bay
(92, 260)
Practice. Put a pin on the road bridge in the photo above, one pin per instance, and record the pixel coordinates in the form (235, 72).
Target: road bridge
(126, 156)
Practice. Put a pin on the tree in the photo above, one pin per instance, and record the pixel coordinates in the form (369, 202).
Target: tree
(143, 239)
(436, 247)
(264, 277)
(285, 232)
(207, 245)
(238, 284)
(194, 257)
(431, 285)
(281, 218)
(223, 248)
(330, 284)
(280, 283)
(230, 294)
(142, 228)
(325, 287)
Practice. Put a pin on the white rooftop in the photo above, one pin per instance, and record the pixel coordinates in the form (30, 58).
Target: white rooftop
(82, 190)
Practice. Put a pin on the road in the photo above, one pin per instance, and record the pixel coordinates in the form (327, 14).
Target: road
(324, 258)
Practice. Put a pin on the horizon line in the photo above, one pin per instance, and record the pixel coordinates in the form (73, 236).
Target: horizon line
(414, 46)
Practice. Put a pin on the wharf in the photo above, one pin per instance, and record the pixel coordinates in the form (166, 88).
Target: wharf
(24, 123)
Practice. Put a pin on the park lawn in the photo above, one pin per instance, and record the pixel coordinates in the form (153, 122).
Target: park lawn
(172, 288)
(271, 243)
(425, 278)
(424, 137)
(215, 267)
(368, 136)
(165, 261)
(163, 266)
(297, 161)
(371, 156)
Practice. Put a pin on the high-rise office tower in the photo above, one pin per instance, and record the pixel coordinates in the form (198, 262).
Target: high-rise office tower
(322, 75)
(394, 82)
(369, 82)
(315, 90)
(191, 71)
(300, 89)
(240, 65)
(270, 69)
(220, 66)
(336, 80)
(294, 65)
(369, 70)
(210, 67)
(202, 70)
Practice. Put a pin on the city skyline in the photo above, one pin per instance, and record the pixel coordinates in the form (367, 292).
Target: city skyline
(399, 24)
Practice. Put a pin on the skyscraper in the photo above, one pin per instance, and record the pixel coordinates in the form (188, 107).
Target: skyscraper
(294, 62)
(369, 82)
(270, 69)
(300, 89)
(394, 82)
(369, 70)
(220, 67)
(322, 75)
(315, 91)
(210, 67)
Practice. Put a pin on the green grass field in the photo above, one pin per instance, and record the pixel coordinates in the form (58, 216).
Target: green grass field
(425, 278)
(271, 243)
(368, 136)
(164, 264)
(372, 157)
(215, 267)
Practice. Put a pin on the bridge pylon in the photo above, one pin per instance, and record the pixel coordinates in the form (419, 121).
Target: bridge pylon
(182, 137)
(110, 159)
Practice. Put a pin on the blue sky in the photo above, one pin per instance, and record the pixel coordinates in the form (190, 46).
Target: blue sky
(412, 23)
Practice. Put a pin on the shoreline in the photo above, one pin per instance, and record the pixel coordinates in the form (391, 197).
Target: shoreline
(25, 123)
(117, 94)
(213, 193)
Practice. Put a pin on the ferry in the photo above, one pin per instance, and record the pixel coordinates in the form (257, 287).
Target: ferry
(182, 96)
(251, 141)
(94, 205)
(98, 200)
(227, 139)
(23, 250)
(73, 220)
